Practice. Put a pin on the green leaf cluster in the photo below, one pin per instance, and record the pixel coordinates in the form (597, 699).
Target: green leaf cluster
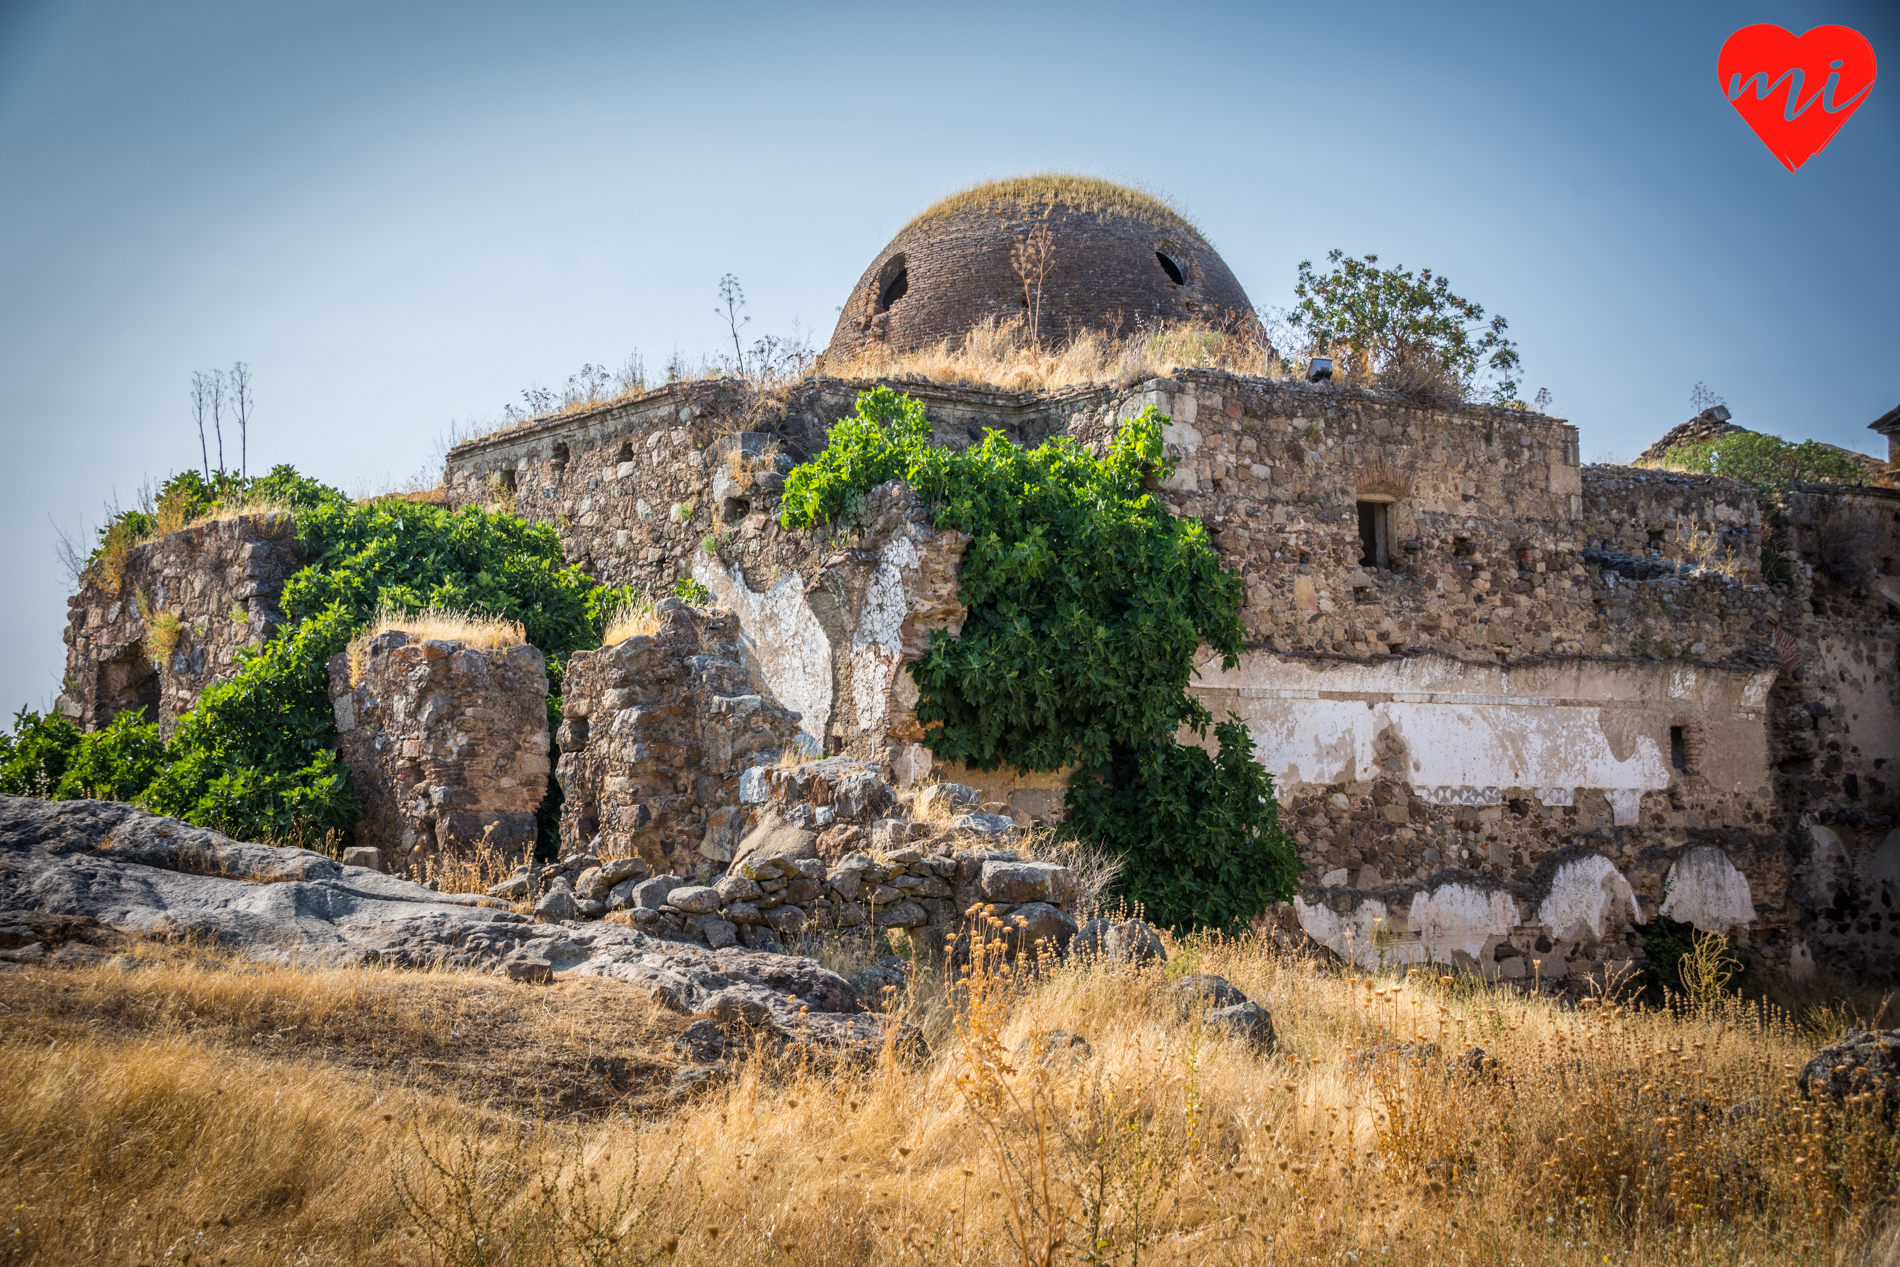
(1766, 463)
(1391, 321)
(255, 757)
(1086, 605)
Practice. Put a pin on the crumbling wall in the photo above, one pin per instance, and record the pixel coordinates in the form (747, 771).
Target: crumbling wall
(447, 744)
(1614, 711)
(655, 733)
(172, 621)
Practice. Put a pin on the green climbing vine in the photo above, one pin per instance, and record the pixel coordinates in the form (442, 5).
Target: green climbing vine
(1087, 603)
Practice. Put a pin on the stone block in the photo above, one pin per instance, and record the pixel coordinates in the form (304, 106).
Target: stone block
(363, 856)
(694, 899)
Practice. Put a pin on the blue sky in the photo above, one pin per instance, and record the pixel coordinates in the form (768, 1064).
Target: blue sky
(401, 215)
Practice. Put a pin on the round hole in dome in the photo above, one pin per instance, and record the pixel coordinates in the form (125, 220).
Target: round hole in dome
(893, 284)
(1172, 268)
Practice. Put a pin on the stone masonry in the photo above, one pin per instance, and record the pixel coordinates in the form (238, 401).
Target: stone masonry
(1517, 708)
(655, 733)
(172, 624)
(447, 744)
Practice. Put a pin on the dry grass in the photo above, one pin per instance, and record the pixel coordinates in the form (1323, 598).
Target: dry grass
(1001, 353)
(229, 1112)
(488, 633)
(1020, 194)
(476, 871)
(632, 619)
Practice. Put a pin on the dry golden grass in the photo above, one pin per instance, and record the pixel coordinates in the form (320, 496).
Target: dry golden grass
(476, 871)
(632, 619)
(488, 633)
(1000, 353)
(1017, 194)
(1592, 1134)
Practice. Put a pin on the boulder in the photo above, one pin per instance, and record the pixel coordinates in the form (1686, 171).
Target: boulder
(1132, 943)
(616, 870)
(1052, 1045)
(694, 899)
(772, 848)
(515, 887)
(1026, 882)
(363, 856)
(861, 793)
(1198, 992)
(1248, 1022)
(1038, 924)
(557, 904)
(591, 885)
(901, 915)
(651, 894)
(736, 888)
(943, 799)
(1863, 1063)
(879, 986)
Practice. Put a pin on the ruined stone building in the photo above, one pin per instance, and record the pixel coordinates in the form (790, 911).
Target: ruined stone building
(1518, 708)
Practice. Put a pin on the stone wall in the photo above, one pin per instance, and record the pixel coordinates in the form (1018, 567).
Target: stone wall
(655, 733)
(1504, 694)
(447, 744)
(173, 622)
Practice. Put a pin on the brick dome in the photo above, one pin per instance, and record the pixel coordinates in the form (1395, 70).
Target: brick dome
(1117, 258)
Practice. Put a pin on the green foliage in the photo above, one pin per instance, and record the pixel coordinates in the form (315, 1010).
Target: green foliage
(1086, 599)
(255, 757)
(33, 758)
(188, 496)
(1199, 835)
(692, 591)
(1392, 322)
(1766, 463)
(1086, 603)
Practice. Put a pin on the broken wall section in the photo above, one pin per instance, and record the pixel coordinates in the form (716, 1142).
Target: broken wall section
(447, 744)
(655, 733)
(172, 622)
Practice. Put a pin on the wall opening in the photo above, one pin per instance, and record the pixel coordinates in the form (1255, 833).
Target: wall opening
(559, 462)
(626, 452)
(1678, 749)
(1656, 538)
(1373, 548)
(1172, 268)
(128, 682)
(893, 284)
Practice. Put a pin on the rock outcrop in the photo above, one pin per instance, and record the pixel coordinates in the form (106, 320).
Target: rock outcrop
(137, 872)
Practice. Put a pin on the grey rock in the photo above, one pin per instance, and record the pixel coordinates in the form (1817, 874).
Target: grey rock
(651, 894)
(879, 986)
(786, 920)
(363, 856)
(773, 842)
(514, 888)
(55, 860)
(703, 1041)
(591, 885)
(529, 968)
(1036, 925)
(1862, 1063)
(1248, 1022)
(982, 824)
(1132, 943)
(844, 882)
(744, 913)
(718, 933)
(861, 793)
(736, 1007)
(901, 915)
(591, 908)
(616, 870)
(557, 904)
(761, 938)
(889, 833)
(1200, 992)
(736, 888)
(943, 798)
(1092, 939)
(1026, 882)
(695, 899)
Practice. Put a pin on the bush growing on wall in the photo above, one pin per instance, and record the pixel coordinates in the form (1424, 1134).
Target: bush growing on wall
(1087, 602)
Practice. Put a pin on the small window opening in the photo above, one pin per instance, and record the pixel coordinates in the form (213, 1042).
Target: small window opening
(559, 462)
(1173, 269)
(626, 452)
(894, 284)
(1678, 749)
(1851, 786)
(1655, 538)
(1372, 535)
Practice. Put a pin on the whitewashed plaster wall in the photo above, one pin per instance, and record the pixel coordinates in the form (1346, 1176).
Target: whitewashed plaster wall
(789, 650)
(1470, 732)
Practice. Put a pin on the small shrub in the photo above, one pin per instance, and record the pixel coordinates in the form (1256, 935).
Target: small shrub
(689, 590)
(162, 633)
(1766, 463)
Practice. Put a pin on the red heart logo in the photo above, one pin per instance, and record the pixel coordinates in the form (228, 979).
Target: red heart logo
(1796, 91)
